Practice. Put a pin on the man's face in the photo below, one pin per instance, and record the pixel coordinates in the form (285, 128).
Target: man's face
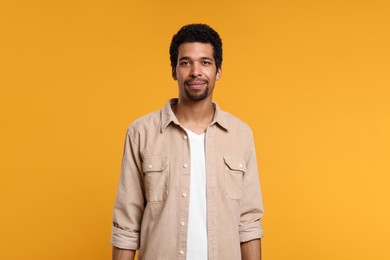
(196, 72)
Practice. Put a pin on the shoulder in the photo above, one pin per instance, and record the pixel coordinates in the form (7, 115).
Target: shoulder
(239, 133)
(236, 125)
(145, 123)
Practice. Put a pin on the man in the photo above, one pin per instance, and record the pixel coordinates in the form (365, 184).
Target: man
(189, 185)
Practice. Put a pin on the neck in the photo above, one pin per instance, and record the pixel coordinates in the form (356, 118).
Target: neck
(195, 116)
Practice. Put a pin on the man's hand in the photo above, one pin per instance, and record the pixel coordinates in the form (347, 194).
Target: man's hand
(251, 250)
(122, 254)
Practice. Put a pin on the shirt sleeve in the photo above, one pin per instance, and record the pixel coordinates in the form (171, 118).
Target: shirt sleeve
(251, 205)
(130, 201)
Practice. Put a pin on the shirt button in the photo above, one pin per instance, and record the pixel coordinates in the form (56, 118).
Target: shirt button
(182, 223)
(185, 165)
(181, 252)
(240, 165)
(150, 166)
(185, 137)
(184, 194)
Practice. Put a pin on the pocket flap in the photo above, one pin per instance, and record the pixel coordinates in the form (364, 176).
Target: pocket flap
(154, 164)
(235, 163)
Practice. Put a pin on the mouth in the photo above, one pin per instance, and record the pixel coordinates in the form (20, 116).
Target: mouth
(196, 84)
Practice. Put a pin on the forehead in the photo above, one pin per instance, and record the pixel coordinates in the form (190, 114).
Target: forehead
(196, 50)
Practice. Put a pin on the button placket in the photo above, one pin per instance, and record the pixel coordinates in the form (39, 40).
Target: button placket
(184, 164)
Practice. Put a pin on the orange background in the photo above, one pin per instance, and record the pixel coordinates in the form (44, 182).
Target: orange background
(310, 77)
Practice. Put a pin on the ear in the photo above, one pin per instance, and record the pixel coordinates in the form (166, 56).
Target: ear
(174, 73)
(219, 73)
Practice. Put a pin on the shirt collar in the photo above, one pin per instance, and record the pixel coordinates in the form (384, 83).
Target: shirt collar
(167, 116)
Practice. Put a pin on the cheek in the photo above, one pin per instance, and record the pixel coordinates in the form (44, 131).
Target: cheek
(211, 76)
(181, 73)
(212, 73)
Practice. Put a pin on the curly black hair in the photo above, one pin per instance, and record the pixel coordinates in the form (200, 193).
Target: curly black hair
(196, 33)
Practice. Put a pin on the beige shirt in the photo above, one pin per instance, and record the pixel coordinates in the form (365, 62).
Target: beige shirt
(152, 204)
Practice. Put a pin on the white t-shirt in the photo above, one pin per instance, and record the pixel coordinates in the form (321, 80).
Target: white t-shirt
(197, 220)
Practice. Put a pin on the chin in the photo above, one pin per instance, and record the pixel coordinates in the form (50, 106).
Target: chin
(197, 96)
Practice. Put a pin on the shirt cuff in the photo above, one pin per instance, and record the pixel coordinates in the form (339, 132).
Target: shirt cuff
(124, 239)
(251, 231)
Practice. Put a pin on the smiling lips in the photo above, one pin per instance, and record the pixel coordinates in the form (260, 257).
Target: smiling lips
(196, 84)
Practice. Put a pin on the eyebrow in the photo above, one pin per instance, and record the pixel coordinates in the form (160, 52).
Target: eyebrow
(202, 58)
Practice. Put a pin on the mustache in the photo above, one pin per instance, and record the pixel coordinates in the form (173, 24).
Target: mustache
(195, 80)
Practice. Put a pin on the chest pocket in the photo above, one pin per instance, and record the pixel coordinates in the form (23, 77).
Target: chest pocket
(156, 173)
(234, 173)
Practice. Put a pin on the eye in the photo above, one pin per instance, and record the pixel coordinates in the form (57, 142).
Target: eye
(205, 62)
(184, 63)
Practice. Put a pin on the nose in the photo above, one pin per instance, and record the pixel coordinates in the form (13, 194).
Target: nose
(196, 70)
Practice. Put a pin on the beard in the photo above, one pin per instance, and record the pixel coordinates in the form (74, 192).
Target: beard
(196, 96)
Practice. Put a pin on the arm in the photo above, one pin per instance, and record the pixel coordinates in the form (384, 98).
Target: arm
(250, 229)
(129, 204)
(122, 254)
(251, 250)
